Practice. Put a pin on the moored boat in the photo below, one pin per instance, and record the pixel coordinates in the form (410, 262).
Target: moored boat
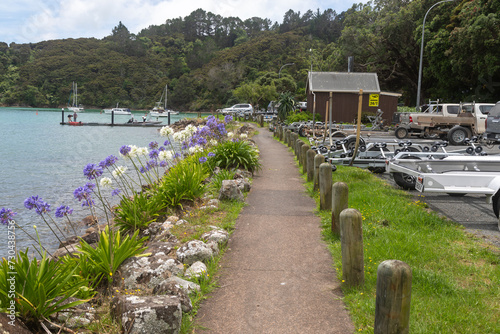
(73, 105)
(160, 108)
(118, 111)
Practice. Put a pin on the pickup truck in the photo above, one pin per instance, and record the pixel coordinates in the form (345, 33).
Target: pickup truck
(454, 122)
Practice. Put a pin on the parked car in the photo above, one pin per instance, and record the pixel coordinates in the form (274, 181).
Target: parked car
(242, 108)
(493, 123)
(302, 106)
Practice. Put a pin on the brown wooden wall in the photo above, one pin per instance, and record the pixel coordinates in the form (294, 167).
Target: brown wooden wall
(345, 106)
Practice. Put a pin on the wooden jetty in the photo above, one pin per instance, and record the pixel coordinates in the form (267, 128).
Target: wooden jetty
(144, 123)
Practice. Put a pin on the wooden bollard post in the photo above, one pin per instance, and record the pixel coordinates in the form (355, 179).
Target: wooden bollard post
(325, 186)
(340, 202)
(288, 137)
(392, 303)
(310, 164)
(292, 139)
(303, 161)
(298, 145)
(351, 242)
(280, 134)
(318, 160)
(261, 119)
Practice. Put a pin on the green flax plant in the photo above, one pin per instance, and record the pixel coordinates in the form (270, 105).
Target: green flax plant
(34, 289)
(105, 258)
(183, 182)
(235, 154)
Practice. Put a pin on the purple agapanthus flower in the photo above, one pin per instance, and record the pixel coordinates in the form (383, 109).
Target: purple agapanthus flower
(84, 194)
(125, 150)
(153, 145)
(92, 171)
(151, 163)
(154, 154)
(228, 118)
(211, 154)
(108, 162)
(6, 215)
(63, 210)
(163, 163)
(202, 159)
(115, 192)
(35, 202)
(167, 142)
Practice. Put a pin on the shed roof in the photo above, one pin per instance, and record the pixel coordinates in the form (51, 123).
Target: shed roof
(343, 82)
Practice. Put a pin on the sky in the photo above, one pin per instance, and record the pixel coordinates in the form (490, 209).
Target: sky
(32, 21)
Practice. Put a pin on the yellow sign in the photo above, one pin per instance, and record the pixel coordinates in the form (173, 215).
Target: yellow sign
(373, 101)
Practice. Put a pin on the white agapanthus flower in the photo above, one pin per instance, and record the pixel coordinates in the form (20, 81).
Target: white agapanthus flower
(179, 136)
(166, 155)
(190, 129)
(166, 131)
(213, 142)
(133, 151)
(142, 151)
(230, 135)
(119, 171)
(106, 182)
(243, 135)
(195, 149)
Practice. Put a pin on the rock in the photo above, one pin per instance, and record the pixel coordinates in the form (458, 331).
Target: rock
(218, 235)
(172, 219)
(148, 271)
(214, 202)
(208, 207)
(197, 269)
(10, 324)
(181, 222)
(243, 184)
(187, 286)
(89, 237)
(194, 250)
(148, 314)
(172, 288)
(69, 249)
(242, 174)
(230, 191)
(89, 220)
(160, 248)
(214, 246)
(83, 316)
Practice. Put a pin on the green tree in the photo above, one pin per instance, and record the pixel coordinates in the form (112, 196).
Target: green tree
(286, 105)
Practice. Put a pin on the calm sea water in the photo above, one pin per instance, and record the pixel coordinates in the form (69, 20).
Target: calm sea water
(38, 156)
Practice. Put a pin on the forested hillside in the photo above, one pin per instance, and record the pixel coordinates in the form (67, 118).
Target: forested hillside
(209, 61)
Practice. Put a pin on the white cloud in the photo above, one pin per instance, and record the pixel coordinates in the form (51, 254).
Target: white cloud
(34, 20)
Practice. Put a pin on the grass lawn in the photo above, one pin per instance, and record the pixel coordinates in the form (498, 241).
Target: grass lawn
(455, 276)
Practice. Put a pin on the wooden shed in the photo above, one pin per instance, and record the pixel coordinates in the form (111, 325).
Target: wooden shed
(344, 89)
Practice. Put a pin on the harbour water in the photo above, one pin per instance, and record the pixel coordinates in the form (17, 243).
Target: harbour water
(40, 157)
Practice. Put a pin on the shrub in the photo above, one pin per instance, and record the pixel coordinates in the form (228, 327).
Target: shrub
(42, 286)
(110, 252)
(138, 212)
(183, 182)
(235, 154)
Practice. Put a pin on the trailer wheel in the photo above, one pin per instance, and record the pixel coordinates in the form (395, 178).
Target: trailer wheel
(351, 142)
(401, 132)
(496, 203)
(405, 181)
(457, 135)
